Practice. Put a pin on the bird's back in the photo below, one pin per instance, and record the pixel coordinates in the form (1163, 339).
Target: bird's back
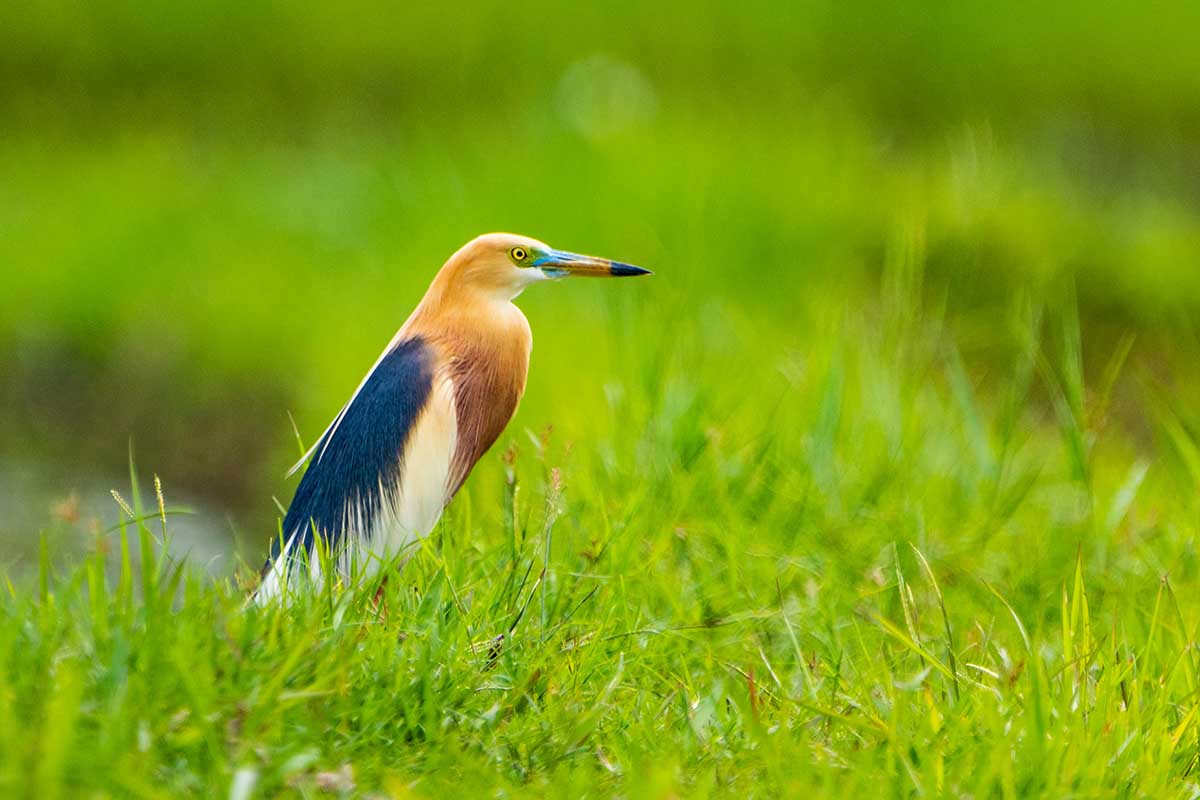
(380, 476)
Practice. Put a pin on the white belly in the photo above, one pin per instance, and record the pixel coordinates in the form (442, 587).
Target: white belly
(412, 509)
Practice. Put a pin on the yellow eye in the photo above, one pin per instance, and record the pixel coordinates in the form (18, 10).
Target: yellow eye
(519, 253)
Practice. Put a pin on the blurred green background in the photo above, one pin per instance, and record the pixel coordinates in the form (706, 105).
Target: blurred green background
(214, 214)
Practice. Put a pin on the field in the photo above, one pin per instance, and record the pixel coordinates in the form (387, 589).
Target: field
(886, 482)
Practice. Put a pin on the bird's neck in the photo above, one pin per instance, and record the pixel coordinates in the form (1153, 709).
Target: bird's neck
(456, 316)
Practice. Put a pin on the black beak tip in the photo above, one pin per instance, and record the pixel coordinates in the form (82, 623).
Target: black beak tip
(624, 270)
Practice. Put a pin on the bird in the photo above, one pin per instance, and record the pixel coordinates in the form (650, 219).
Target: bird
(434, 402)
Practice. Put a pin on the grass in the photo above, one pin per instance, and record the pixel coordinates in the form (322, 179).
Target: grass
(161, 258)
(853, 568)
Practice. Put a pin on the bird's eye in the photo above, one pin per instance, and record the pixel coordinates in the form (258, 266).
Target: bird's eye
(519, 253)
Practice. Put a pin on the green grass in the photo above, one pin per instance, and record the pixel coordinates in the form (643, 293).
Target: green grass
(847, 568)
(265, 277)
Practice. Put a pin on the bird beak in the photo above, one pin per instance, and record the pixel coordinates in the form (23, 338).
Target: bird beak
(559, 264)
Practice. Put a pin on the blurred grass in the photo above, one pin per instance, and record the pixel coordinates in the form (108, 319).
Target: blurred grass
(265, 277)
(913, 63)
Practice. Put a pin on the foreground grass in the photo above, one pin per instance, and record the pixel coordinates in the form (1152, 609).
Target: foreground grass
(853, 570)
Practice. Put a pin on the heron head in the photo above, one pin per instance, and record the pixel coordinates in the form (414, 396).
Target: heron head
(506, 263)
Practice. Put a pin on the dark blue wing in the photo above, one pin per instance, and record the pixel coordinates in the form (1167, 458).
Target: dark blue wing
(360, 452)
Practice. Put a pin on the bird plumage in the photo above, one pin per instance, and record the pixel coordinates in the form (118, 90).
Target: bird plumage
(434, 402)
(358, 463)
